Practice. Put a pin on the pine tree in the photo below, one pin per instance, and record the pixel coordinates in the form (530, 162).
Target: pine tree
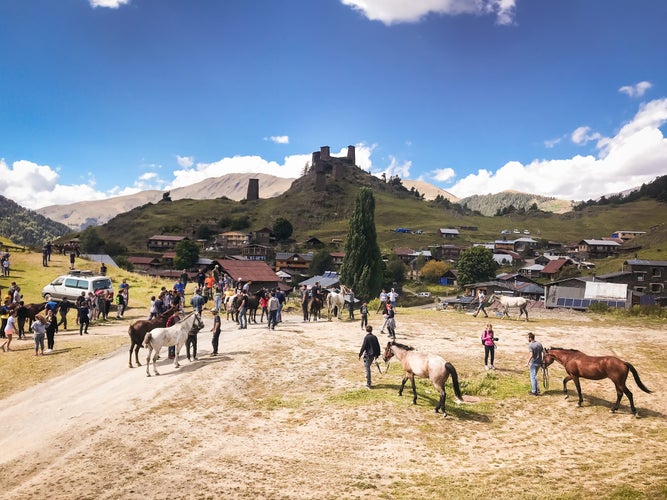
(362, 266)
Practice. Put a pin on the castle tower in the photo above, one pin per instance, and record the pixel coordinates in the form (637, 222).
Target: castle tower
(325, 153)
(253, 190)
(351, 155)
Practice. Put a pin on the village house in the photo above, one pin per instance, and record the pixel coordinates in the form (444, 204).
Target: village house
(262, 236)
(144, 264)
(597, 249)
(163, 242)
(233, 239)
(293, 263)
(626, 235)
(256, 251)
(647, 276)
(449, 233)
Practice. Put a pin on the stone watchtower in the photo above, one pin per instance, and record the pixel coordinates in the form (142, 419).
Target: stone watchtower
(323, 163)
(253, 190)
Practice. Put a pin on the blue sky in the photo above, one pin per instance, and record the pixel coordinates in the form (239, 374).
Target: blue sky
(101, 98)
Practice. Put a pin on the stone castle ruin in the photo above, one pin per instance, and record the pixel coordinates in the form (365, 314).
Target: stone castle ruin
(253, 190)
(324, 164)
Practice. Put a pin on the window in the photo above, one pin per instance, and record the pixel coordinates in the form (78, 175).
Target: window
(656, 287)
(655, 272)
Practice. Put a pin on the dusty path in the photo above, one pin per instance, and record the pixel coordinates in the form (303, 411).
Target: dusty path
(285, 414)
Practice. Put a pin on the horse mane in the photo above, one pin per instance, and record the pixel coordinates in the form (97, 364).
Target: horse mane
(403, 346)
(562, 349)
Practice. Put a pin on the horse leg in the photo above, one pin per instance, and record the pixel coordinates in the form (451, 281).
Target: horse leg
(414, 390)
(441, 403)
(178, 351)
(148, 360)
(155, 356)
(136, 353)
(131, 349)
(400, 391)
(565, 381)
(578, 386)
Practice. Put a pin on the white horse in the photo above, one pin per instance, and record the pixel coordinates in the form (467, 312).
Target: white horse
(507, 302)
(175, 335)
(335, 301)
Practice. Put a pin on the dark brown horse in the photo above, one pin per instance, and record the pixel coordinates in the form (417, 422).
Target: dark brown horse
(424, 365)
(138, 330)
(580, 365)
(27, 312)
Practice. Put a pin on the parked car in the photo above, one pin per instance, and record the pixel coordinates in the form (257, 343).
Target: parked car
(71, 285)
(525, 231)
(424, 294)
(505, 231)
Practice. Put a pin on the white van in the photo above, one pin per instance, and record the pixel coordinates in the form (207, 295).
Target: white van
(71, 285)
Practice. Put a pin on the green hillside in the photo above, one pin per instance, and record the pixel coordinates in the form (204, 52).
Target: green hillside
(27, 227)
(324, 215)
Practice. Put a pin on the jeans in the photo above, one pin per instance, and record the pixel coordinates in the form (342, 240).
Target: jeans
(534, 367)
(191, 341)
(39, 342)
(368, 362)
(214, 342)
(243, 321)
(273, 319)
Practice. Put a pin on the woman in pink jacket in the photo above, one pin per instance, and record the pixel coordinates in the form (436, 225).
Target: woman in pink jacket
(488, 340)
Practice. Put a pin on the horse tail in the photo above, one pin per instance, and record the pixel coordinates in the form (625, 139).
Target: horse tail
(637, 379)
(455, 380)
(148, 338)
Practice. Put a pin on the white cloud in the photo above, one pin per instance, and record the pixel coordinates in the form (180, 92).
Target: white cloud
(443, 174)
(185, 161)
(635, 155)
(111, 4)
(401, 11)
(583, 135)
(636, 90)
(279, 139)
(550, 143)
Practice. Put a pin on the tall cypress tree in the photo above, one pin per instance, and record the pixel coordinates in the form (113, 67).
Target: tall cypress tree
(362, 266)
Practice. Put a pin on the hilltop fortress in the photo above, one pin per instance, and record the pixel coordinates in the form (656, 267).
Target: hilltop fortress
(323, 163)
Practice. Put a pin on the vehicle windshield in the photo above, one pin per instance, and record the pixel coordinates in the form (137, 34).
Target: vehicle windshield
(101, 284)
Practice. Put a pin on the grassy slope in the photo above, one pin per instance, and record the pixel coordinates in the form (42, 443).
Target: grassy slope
(325, 215)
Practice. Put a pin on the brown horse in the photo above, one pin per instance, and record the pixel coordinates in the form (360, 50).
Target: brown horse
(424, 365)
(138, 330)
(580, 365)
(316, 306)
(27, 312)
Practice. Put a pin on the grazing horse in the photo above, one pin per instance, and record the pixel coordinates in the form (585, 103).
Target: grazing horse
(424, 365)
(335, 304)
(138, 330)
(507, 302)
(580, 365)
(175, 335)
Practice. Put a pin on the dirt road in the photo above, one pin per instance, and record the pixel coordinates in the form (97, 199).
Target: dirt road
(285, 414)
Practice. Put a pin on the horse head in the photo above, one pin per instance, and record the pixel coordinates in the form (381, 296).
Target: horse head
(388, 352)
(548, 358)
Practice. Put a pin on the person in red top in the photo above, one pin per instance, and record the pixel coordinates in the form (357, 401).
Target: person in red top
(488, 340)
(209, 283)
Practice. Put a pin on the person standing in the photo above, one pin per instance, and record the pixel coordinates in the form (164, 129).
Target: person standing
(264, 305)
(391, 322)
(191, 342)
(10, 330)
(51, 329)
(83, 316)
(282, 298)
(39, 331)
(216, 332)
(383, 302)
(392, 297)
(534, 362)
(363, 310)
(351, 305)
(370, 350)
(197, 301)
(488, 341)
(65, 305)
(243, 306)
(305, 299)
(481, 297)
(72, 259)
(274, 306)
(124, 289)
